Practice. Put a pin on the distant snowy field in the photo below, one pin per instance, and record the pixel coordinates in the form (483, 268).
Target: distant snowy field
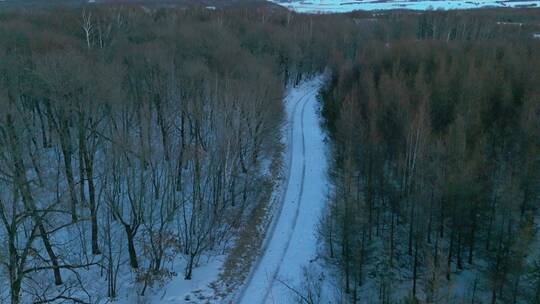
(342, 6)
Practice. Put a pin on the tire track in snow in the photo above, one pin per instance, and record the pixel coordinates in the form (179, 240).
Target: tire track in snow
(298, 201)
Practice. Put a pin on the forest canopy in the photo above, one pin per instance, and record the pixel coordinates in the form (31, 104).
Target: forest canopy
(436, 168)
(133, 136)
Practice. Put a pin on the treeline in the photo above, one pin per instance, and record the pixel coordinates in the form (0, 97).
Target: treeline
(436, 167)
(468, 25)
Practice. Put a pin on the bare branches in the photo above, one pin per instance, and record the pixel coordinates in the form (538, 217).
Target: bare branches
(87, 26)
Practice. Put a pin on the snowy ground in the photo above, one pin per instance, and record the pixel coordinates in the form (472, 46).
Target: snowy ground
(178, 290)
(292, 242)
(340, 6)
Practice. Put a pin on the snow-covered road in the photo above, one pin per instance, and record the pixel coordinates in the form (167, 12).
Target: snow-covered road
(292, 242)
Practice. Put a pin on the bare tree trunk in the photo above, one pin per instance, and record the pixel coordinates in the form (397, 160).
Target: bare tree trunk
(50, 252)
(87, 159)
(472, 236)
(87, 27)
(23, 186)
(14, 276)
(415, 267)
(450, 249)
(411, 223)
(189, 268)
(131, 247)
(459, 260)
(181, 152)
(391, 239)
(15, 291)
(65, 143)
(162, 127)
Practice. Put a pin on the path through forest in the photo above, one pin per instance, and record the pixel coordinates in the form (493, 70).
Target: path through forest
(292, 242)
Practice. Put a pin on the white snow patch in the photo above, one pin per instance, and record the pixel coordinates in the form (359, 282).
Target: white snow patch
(179, 290)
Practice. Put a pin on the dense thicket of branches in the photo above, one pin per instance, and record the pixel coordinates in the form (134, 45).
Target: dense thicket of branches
(131, 137)
(437, 168)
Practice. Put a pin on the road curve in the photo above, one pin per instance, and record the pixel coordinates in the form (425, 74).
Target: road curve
(292, 242)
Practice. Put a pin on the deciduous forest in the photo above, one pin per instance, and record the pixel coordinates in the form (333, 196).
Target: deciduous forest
(132, 137)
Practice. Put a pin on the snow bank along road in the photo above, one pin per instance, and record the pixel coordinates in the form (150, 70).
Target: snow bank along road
(292, 242)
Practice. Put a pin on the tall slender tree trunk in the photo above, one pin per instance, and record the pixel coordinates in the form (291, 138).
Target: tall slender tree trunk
(490, 225)
(87, 159)
(162, 127)
(415, 267)
(65, 143)
(411, 225)
(450, 250)
(392, 239)
(92, 202)
(13, 267)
